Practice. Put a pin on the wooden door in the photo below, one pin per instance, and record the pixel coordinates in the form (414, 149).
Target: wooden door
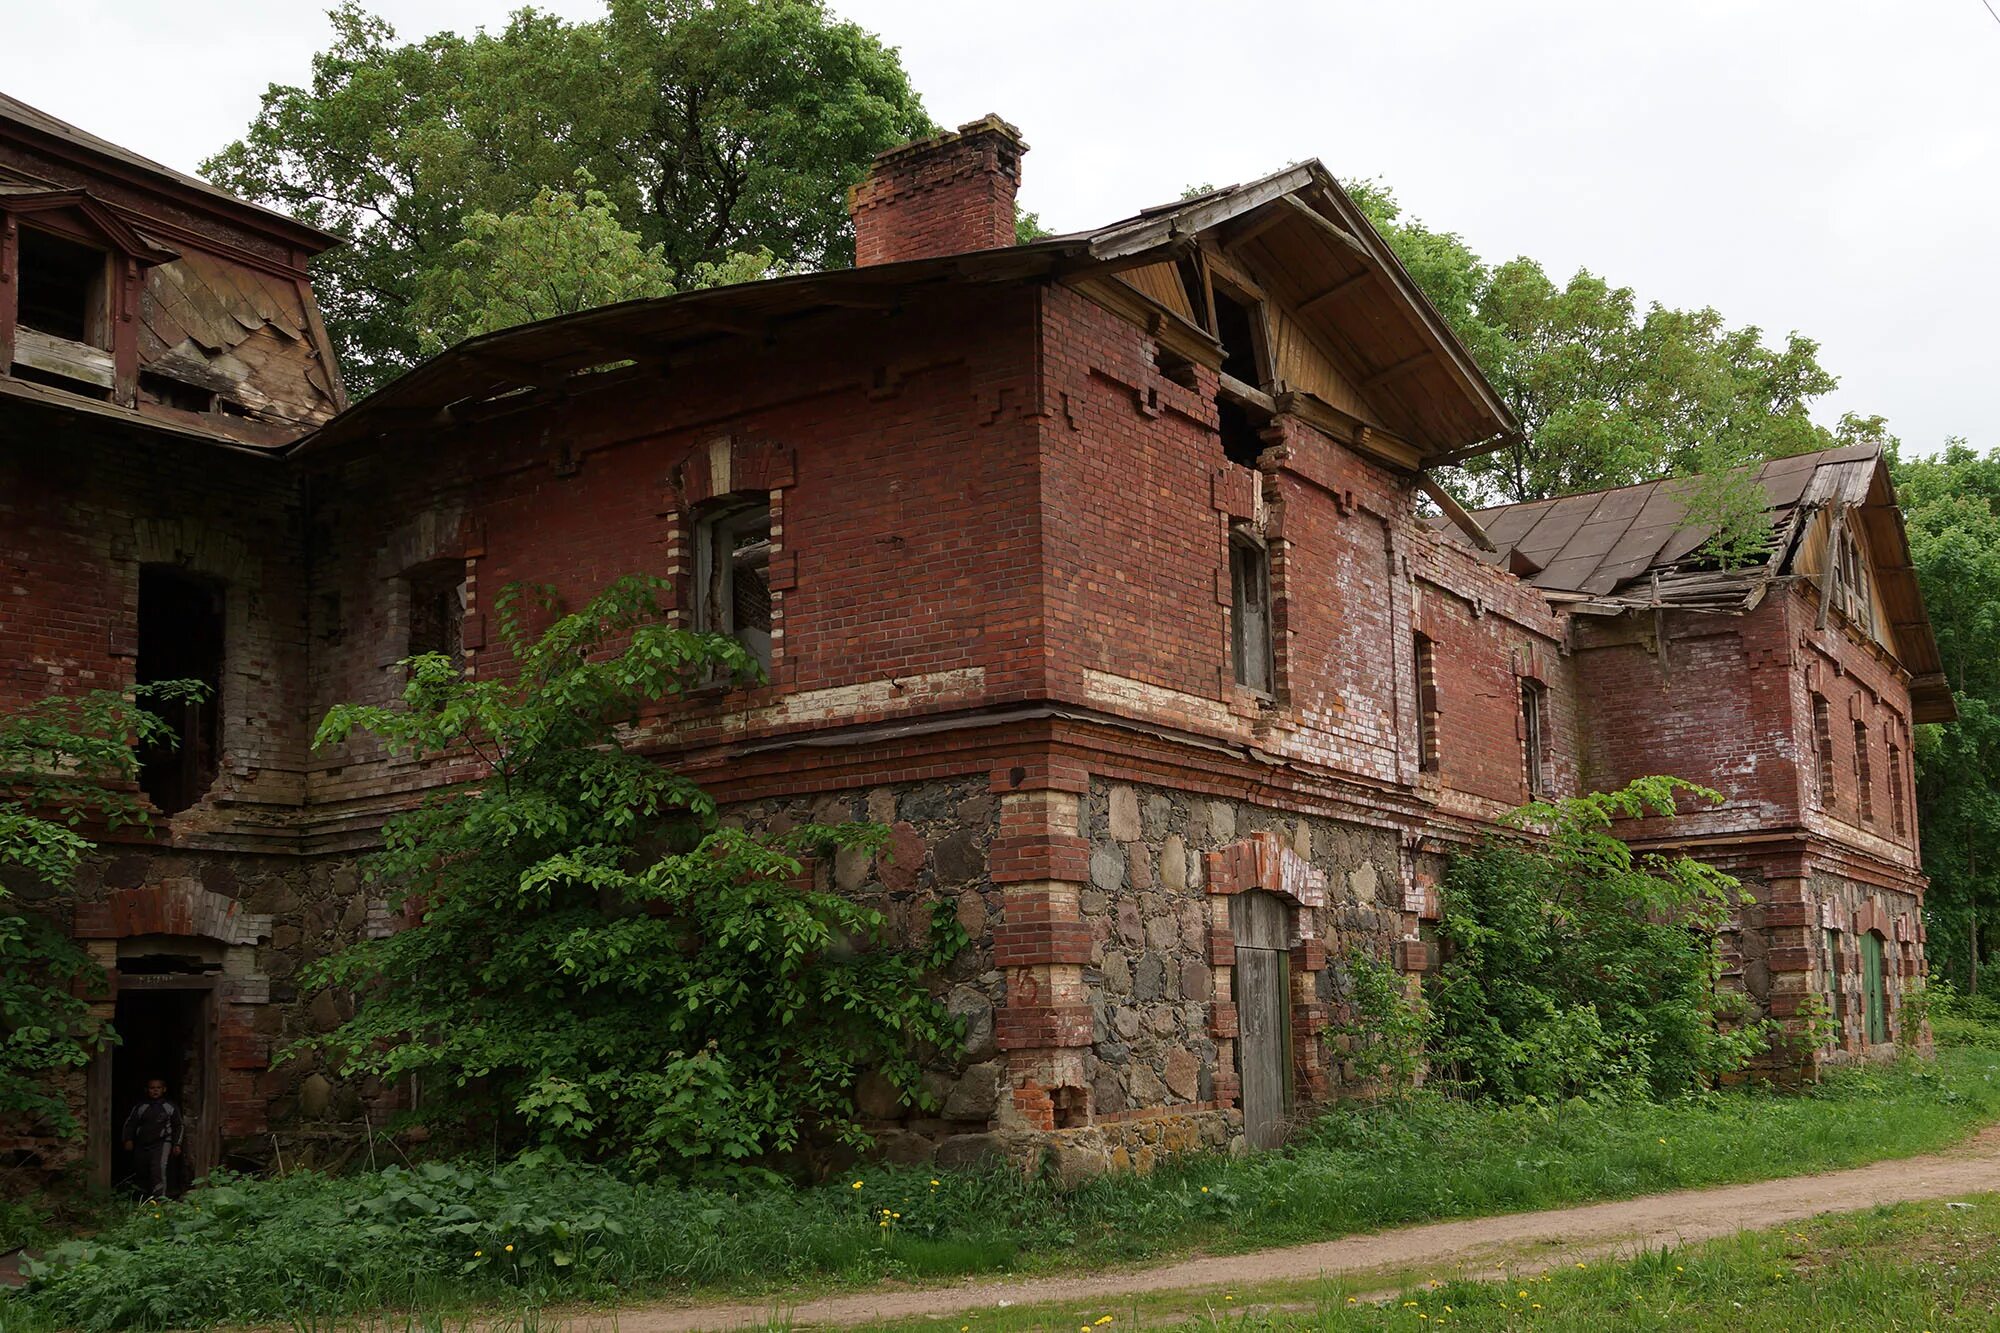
(1873, 990)
(1262, 986)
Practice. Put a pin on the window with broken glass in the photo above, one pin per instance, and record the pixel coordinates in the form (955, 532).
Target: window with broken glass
(1533, 723)
(732, 574)
(437, 609)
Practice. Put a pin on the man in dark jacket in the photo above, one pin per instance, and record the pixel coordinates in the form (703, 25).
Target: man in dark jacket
(153, 1137)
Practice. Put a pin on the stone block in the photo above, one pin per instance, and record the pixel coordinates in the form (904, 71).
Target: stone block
(959, 858)
(1174, 864)
(975, 1094)
(1124, 814)
(1107, 868)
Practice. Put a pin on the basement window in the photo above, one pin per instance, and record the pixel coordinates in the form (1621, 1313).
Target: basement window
(1427, 705)
(181, 639)
(1864, 797)
(1250, 612)
(62, 288)
(1534, 700)
(437, 609)
(732, 574)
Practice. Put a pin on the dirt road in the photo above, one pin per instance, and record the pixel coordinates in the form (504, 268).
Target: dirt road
(1522, 1241)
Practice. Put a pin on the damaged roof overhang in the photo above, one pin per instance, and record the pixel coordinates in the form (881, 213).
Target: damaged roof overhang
(1446, 407)
(1631, 548)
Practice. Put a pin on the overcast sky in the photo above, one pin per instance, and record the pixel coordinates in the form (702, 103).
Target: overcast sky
(1822, 165)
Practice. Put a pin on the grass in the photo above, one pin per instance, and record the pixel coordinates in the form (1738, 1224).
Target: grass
(1927, 1266)
(311, 1249)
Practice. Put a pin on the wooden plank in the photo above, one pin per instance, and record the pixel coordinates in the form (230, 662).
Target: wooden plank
(1260, 984)
(1454, 511)
(60, 356)
(1332, 229)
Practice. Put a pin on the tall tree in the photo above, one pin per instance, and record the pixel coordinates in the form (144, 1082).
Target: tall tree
(1951, 506)
(1607, 394)
(715, 127)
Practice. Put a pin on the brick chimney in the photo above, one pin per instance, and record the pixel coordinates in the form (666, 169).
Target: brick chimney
(944, 195)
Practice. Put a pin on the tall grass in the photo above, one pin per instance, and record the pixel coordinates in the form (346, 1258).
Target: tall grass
(311, 1248)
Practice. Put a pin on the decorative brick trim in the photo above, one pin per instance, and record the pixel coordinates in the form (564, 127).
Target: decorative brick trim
(171, 907)
(1265, 861)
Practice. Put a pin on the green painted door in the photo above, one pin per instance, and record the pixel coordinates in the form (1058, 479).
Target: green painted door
(1872, 988)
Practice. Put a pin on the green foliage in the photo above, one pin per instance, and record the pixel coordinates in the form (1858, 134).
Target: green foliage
(1385, 1024)
(1607, 394)
(1572, 967)
(313, 1248)
(1951, 506)
(718, 128)
(67, 765)
(565, 252)
(730, 1010)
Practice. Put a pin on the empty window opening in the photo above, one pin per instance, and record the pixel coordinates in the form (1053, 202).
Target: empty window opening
(733, 577)
(1250, 611)
(1242, 432)
(1854, 592)
(1533, 726)
(1196, 283)
(1864, 796)
(181, 639)
(1896, 790)
(437, 609)
(62, 288)
(1822, 744)
(1427, 705)
(172, 393)
(1174, 366)
(1235, 325)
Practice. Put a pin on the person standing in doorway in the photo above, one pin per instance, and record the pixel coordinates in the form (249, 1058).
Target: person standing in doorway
(153, 1137)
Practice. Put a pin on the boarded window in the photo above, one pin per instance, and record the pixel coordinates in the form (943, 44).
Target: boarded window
(1250, 612)
(62, 289)
(1427, 705)
(1822, 744)
(437, 609)
(733, 576)
(181, 639)
(1864, 795)
(1534, 698)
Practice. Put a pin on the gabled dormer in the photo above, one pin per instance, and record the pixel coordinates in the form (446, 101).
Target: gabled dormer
(71, 271)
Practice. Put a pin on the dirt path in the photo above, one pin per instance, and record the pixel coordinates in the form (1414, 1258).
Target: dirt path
(1474, 1246)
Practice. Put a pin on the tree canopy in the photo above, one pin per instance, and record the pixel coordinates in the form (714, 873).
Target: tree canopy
(712, 129)
(1606, 393)
(1951, 506)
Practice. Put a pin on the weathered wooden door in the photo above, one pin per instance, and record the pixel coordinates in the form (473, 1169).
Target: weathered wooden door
(1262, 986)
(1874, 992)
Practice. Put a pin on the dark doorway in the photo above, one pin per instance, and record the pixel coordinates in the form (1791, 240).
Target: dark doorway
(166, 1030)
(180, 638)
(1262, 985)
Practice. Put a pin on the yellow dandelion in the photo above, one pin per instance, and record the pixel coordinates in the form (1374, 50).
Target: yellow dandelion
(934, 1184)
(1522, 1294)
(479, 1254)
(1663, 1140)
(1537, 1305)
(1679, 1269)
(1579, 1265)
(1103, 1321)
(510, 1249)
(857, 1184)
(1204, 1190)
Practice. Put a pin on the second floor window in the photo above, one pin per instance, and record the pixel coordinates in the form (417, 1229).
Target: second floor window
(1427, 705)
(437, 609)
(1250, 612)
(1533, 730)
(1864, 796)
(62, 288)
(1822, 752)
(732, 574)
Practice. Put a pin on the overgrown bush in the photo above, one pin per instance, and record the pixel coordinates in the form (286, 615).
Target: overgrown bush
(599, 962)
(1571, 967)
(1962, 1020)
(1386, 1026)
(67, 767)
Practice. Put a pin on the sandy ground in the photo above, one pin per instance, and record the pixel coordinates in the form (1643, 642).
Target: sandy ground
(1521, 1242)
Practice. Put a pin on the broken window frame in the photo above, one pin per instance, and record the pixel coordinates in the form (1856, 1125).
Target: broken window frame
(436, 594)
(1898, 820)
(1822, 750)
(1864, 796)
(1251, 656)
(1534, 736)
(717, 528)
(1831, 968)
(1425, 668)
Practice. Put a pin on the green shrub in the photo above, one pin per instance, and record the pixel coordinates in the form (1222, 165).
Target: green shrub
(1961, 1020)
(1570, 966)
(729, 1008)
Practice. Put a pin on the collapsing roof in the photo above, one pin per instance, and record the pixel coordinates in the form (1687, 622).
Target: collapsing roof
(1634, 548)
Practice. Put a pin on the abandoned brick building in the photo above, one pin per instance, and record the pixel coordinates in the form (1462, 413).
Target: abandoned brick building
(1093, 566)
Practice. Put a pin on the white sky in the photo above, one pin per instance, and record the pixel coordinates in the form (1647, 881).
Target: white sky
(1831, 166)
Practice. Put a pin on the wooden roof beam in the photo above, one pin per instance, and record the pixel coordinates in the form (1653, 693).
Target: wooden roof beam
(1338, 290)
(1390, 372)
(1332, 230)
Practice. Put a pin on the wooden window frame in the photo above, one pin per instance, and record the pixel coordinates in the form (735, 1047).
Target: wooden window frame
(1864, 794)
(1250, 571)
(1425, 667)
(1534, 736)
(715, 525)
